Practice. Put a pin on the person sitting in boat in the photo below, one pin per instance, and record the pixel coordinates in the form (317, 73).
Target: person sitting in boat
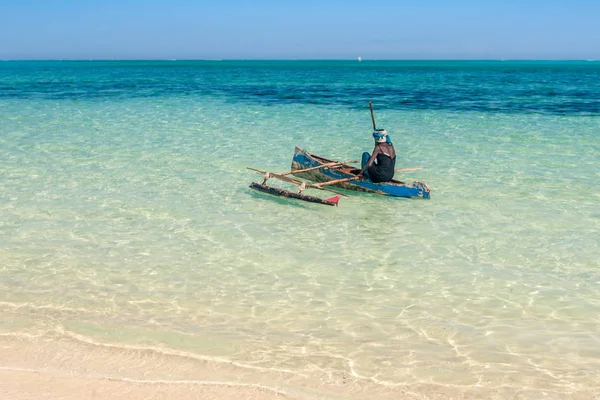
(379, 166)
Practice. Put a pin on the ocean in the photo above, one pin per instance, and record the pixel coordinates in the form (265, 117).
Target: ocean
(129, 237)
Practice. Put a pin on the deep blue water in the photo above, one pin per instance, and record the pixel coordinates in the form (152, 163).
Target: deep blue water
(544, 87)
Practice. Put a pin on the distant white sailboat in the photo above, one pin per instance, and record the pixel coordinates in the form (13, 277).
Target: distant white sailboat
(359, 58)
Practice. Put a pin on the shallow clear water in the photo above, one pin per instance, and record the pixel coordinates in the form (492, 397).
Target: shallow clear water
(126, 218)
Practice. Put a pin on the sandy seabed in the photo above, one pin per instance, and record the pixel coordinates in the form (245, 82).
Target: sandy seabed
(67, 368)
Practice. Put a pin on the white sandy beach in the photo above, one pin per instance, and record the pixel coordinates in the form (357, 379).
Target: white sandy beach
(47, 367)
(42, 386)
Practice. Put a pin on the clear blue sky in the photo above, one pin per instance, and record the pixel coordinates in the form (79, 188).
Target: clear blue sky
(305, 29)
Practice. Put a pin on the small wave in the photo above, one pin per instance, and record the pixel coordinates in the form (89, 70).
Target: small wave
(170, 352)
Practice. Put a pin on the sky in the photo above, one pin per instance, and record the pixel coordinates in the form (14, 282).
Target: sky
(306, 29)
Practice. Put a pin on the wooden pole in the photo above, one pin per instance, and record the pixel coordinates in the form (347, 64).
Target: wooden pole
(372, 116)
(278, 176)
(292, 180)
(334, 182)
(327, 165)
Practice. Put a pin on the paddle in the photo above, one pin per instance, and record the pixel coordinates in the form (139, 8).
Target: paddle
(372, 116)
(362, 171)
(375, 128)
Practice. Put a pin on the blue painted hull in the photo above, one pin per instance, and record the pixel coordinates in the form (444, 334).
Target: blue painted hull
(303, 160)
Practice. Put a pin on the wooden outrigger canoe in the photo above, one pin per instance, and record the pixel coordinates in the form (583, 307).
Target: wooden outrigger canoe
(303, 161)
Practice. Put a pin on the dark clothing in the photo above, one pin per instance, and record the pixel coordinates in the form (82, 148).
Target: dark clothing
(363, 165)
(380, 166)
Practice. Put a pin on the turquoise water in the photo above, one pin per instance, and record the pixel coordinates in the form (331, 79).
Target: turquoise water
(126, 219)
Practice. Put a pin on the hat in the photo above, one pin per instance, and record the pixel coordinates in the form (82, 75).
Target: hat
(381, 136)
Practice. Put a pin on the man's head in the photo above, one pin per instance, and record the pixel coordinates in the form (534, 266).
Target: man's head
(381, 136)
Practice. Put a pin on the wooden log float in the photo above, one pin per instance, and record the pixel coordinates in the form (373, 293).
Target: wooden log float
(333, 201)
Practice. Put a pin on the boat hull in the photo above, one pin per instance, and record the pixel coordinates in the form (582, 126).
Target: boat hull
(303, 160)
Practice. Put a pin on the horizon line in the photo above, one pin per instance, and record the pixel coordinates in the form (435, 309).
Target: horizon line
(298, 59)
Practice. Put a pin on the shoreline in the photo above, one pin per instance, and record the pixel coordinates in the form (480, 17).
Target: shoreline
(51, 366)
